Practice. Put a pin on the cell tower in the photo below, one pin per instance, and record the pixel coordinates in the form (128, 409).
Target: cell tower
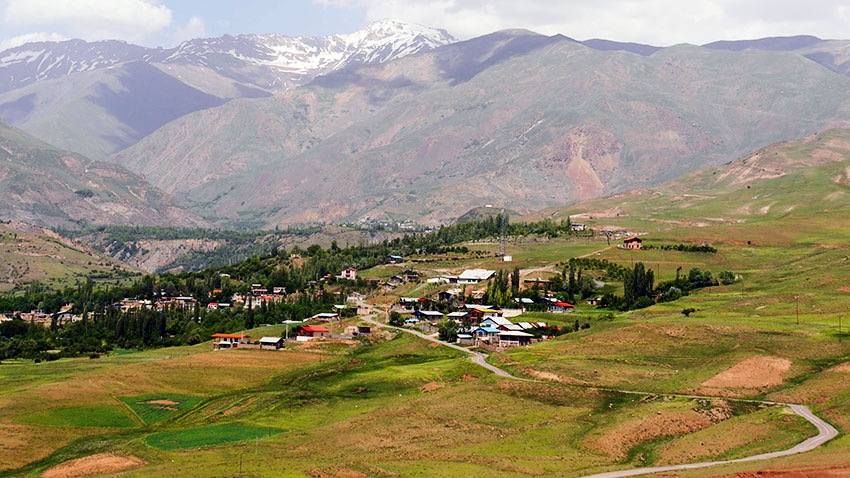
(502, 237)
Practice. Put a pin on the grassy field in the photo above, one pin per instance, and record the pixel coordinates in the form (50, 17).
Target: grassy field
(403, 407)
(31, 253)
(208, 436)
(83, 416)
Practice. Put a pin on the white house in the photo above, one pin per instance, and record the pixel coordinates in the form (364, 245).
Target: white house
(458, 316)
(429, 315)
(325, 317)
(271, 342)
(495, 322)
(228, 341)
(474, 276)
(349, 274)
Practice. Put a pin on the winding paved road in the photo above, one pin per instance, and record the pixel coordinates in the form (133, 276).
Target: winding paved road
(826, 431)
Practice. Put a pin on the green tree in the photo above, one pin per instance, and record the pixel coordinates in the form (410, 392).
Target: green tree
(395, 319)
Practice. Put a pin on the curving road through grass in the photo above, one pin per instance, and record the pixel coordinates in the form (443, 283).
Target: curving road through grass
(826, 432)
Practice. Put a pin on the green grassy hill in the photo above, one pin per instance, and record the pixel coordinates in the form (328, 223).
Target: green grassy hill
(787, 193)
(31, 253)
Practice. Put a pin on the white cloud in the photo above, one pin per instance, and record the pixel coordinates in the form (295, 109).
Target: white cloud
(661, 22)
(130, 20)
(194, 28)
(28, 38)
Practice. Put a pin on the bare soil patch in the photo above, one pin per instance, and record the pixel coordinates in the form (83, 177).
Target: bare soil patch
(467, 377)
(162, 402)
(431, 386)
(754, 372)
(94, 464)
(554, 377)
(347, 473)
(813, 471)
(845, 367)
(618, 441)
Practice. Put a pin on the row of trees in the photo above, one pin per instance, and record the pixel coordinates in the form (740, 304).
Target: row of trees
(640, 290)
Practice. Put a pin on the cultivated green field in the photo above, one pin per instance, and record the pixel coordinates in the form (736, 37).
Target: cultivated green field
(84, 416)
(156, 407)
(207, 436)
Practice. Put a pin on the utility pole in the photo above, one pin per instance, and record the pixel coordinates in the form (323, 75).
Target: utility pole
(798, 309)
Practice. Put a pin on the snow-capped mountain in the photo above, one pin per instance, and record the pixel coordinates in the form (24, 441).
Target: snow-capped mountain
(271, 62)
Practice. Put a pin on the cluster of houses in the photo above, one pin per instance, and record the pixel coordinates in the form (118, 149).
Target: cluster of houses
(405, 276)
(492, 328)
(487, 326)
(257, 296)
(38, 316)
(303, 333)
(179, 303)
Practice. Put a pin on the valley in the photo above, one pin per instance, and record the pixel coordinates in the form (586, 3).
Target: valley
(391, 404)
(393, 253)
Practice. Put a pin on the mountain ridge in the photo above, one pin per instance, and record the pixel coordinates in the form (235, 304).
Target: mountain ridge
(495, 119)
(289, 61)
(44, 186)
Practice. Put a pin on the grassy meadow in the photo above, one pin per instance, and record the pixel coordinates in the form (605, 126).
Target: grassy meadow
(400, 406)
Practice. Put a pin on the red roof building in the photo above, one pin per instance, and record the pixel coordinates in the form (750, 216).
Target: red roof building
(633, 243)
(560, 307)
(314, 331)
(228, 341)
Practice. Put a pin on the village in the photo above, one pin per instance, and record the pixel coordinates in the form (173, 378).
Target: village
(457, 302)
(452, 307)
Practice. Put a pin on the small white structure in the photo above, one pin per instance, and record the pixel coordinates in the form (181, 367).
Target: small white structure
(458, 316)
(429, 315)
(349, 274)
(325, 317)
(474, 276)
(271, 342)
(495, 322)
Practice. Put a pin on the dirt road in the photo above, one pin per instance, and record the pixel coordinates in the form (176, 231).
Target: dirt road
(477, 357)
(826, 431)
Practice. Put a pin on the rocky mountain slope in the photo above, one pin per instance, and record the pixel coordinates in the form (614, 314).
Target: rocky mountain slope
(42, 185)
(511, 119)
(784, 190)
(96, 113)
(98, 98)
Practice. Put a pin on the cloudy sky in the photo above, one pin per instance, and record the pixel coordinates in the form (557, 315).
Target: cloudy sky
(659, 22)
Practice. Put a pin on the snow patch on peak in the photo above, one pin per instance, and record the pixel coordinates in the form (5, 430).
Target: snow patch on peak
(270, 61)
